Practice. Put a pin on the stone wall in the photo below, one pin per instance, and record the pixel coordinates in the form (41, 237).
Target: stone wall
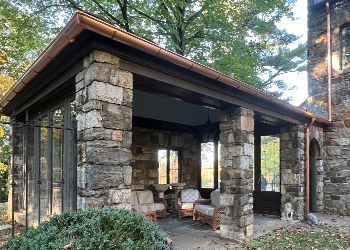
(145, 145)
(104, 117)
(317, 135)
(237, 161)
(336, 151)
(293, 169)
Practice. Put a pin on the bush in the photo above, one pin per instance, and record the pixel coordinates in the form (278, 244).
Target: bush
(3, 212)
(105, 228)
(3, 182)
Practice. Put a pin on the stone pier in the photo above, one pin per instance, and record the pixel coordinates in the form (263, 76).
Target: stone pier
(104, 96)
(293, 169)
(237, 151)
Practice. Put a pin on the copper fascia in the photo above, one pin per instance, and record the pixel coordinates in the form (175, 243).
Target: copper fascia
(329, 61)
(83, 21)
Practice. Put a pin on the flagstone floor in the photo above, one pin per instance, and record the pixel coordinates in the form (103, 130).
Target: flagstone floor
(189, 234)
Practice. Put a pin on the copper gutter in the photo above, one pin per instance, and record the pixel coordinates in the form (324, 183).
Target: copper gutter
(83, 21)
(329, 60)
(307, 166)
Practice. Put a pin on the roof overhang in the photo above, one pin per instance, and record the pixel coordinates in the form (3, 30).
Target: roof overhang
(82, 21)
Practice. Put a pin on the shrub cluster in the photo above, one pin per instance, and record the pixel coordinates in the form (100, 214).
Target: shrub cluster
(3, 182)
(105, 228)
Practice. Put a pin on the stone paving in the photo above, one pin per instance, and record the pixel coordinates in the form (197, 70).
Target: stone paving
(189, 234)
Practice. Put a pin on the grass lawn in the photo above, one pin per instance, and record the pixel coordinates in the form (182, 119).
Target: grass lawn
(318, 237)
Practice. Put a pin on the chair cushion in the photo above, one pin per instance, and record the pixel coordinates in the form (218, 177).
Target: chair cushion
(145, 197)
(148, 207)
(141, 208)
(187, 206)
(189, 195)
(152, 207)
(134, 199)
(159, 206)
(205, 209)
(215, 198)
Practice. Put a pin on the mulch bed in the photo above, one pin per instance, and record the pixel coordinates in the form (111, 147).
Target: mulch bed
(6, 234)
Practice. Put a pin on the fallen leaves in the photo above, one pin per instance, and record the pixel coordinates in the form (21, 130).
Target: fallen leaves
(316, 237)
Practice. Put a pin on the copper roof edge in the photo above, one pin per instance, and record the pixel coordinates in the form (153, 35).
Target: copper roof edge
(83, 21)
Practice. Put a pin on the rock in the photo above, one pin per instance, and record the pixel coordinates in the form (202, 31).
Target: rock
(312, 219)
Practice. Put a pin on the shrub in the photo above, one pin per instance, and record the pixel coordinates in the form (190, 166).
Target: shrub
(3, 182)
(3, 212)
(105, 228)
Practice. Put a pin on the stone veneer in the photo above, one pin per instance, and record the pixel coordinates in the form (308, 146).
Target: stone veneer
(145, 145)
(316, 135)
(293, 169)
(237, 152)
(104, 115)
(336, 151)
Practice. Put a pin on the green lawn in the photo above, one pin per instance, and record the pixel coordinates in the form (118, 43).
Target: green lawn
(319, 237)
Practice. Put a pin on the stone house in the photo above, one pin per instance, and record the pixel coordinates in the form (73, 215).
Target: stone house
(329, 84)
(102, 112)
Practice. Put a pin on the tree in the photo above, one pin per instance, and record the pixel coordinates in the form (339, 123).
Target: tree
(22, 37)
(239, 38)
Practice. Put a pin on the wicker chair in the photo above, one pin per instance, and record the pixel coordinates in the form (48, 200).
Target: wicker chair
(208, 210)
(185, 202)
(143, 202)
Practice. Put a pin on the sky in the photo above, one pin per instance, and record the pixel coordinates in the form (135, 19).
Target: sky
(297, 27)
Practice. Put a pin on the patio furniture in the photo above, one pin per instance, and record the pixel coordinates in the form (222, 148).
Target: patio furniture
(151, 215)
(208, 210)
(186, 199)
(143, 202)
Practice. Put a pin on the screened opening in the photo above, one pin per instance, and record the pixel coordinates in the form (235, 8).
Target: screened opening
(50, 149)
(270, 163)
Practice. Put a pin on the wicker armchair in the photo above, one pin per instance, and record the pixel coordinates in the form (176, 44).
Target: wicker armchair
(143, 202)
(208, 210)
(185, 201)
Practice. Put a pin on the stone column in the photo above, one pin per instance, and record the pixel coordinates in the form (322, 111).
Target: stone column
(104, 114)
(293, 169)
(237, 150)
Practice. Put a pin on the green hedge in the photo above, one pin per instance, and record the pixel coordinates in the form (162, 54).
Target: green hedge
(3, 182)
(93, 229)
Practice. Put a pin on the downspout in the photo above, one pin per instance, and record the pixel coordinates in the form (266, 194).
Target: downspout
(329, 60)
(307, 165)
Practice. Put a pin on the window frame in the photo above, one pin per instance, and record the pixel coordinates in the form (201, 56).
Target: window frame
(179, 155)
(344, 65)
(216, 166)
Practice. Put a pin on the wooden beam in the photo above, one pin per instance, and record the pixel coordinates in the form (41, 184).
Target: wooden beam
(201, 88)
(64, 66)
(63, 78)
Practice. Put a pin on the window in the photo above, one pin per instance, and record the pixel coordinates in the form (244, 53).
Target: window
(207, 164)
(345, 46)
(168, 162)
(270, 163)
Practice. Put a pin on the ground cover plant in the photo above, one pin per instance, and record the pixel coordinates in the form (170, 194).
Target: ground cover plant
(318, 237)
(93, 229)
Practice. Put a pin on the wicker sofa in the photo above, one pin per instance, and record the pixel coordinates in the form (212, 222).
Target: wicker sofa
(208, 210)
(186, 200)
(143, 202)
